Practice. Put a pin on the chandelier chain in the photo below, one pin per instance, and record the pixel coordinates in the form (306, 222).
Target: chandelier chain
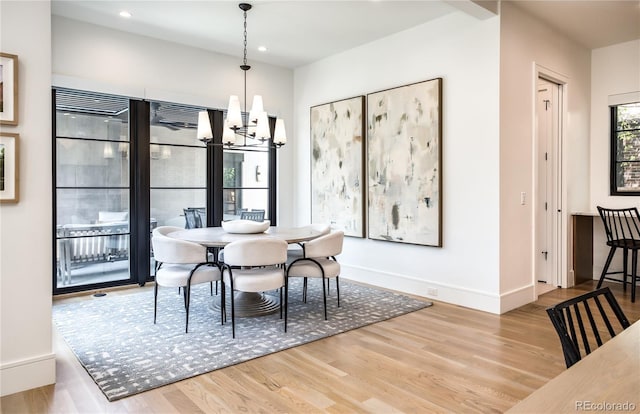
(245, 38)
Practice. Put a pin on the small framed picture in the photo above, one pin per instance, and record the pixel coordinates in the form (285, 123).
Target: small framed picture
(9, 164)
(8, 89)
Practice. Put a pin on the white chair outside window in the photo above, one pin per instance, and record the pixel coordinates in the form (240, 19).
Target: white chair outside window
(255, 265)
(180, 264)
(319, 261)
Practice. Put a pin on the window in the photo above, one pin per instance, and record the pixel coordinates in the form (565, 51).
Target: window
(625, 149)
(125, 166)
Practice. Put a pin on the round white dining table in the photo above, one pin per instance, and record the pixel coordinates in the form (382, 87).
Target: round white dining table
(246, 303)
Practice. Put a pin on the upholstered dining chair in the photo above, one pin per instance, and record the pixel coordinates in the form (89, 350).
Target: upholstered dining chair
(622, 227)
(255, 265)
(583, 322)
(180, 264)
(295, 249)
(319, 261)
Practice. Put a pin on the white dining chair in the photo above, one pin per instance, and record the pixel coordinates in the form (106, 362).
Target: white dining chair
(180, 264)
(255, 265)
(319, 261)
(295, 249)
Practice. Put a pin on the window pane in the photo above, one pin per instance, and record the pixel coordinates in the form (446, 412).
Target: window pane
(628, 176)
(167, 206)
(173, 166)
(174, 124)
(246, 169)
(91, 206)
(81, 163)
(628, 116)
(236, 200)
(628, 146)
(81, 114)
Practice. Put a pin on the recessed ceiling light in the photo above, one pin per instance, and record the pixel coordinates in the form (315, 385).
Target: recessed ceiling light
(125, 14)
(262, 48)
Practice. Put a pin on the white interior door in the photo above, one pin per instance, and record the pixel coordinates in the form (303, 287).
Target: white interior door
(548, 110)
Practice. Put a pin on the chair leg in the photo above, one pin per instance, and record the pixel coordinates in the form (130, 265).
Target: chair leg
(304, 290)
(286, 302)
(338, 289)
(187, 291)
(634, 274)
(155, 302)
(280, 292)
(324, 296)
(233, 314)
(625, 268)
(606, 266)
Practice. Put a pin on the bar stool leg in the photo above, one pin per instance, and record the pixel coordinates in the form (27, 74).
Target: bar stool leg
(606, 266)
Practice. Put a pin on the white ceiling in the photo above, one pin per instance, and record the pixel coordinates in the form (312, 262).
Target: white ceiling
(303, 31)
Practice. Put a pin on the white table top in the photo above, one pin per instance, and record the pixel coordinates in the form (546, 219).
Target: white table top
(217, 237)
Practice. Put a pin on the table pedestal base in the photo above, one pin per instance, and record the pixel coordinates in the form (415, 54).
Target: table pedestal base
(250, 304)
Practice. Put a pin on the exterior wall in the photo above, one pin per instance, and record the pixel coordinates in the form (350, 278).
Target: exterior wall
(525, 42)
(26, 354)
(95, 58)
(465, 53)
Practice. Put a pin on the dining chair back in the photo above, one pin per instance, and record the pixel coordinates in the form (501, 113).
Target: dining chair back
(255, 265)
(256, 215)
(583, 322)
(622, 227)
(180, 264)
(295, 249)
(319, 261)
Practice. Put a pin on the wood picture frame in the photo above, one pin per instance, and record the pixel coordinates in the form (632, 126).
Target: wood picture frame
(404, 163)
(337, 165)
(9, 167)
(8, 89)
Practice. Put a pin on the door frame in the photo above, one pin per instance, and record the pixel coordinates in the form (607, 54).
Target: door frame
(561, 231)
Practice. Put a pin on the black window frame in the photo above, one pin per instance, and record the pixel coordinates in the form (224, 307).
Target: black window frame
(613, 151)
(140, 186)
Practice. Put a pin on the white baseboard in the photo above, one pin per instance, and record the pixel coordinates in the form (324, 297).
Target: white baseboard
(470, 298)
(516, 298)
(27, 374)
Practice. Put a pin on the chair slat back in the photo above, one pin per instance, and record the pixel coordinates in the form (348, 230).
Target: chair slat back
(581, 327)
(252, 215)
(620, 224)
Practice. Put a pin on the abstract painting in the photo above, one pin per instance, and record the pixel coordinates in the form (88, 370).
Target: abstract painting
(337, 166)
(404, 154)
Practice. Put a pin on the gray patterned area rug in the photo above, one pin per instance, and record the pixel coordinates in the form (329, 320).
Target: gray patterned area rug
(125, 353)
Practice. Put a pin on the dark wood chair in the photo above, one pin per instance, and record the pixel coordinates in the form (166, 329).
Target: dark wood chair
(583, 322)
(622, 227)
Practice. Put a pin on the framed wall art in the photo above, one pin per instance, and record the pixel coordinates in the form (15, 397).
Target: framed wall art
(9, 157)
(337, 165)
(8, 89)
(404, 163)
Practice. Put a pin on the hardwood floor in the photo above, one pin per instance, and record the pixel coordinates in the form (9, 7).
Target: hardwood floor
(441, 359)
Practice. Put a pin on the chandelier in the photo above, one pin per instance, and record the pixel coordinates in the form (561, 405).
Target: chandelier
(242, 129)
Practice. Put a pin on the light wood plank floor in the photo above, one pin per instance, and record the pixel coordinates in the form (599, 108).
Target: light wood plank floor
(442, 359)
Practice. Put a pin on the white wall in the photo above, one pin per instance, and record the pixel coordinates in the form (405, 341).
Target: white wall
(92, 57)
(26, 357)
(525, 41)
(615, 79)
(615, 70)
(465, 53)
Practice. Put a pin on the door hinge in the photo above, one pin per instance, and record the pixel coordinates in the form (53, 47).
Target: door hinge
(545, 254)
(545, 206)
(547, 104)
(546, 156)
